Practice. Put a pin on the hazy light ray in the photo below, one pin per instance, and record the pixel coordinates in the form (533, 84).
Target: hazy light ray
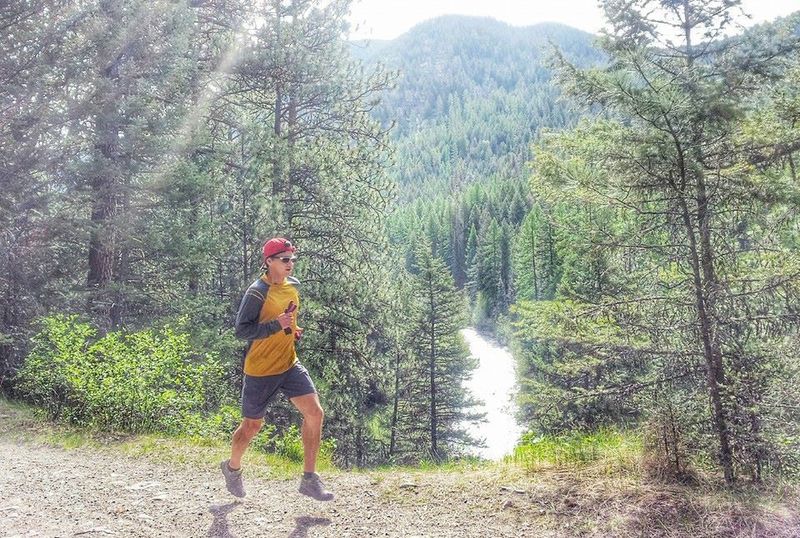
(196, 114)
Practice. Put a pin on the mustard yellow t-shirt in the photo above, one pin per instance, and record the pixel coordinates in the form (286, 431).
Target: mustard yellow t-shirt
(270, 350)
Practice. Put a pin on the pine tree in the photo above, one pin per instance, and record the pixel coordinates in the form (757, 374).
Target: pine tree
(487, 272)
(316, 177)
(123, 62)
(535, 267)
(34, 46)
(440, 363)
(668, 280)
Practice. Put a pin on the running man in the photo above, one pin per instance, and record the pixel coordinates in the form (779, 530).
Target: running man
(267, 319)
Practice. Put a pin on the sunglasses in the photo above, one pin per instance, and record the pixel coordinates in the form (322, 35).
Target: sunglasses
(286, 259)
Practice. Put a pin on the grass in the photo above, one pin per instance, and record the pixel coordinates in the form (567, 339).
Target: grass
(609, 449)
(27, 424)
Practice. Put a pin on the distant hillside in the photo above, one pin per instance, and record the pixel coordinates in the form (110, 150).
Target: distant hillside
(472, 94)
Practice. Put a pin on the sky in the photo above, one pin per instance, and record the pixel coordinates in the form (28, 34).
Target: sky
(388, 19)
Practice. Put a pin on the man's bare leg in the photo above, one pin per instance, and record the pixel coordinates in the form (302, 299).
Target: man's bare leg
(313, 415)
(248, 429)
(311, 431)
(231, 469)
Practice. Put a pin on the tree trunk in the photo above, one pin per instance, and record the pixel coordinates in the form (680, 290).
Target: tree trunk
(277, 127)
(10, 324)
(360, 446)
(290, 207)
(105, 186)
(458, 240)
(551, 271)
(706, 286)
(101, 246)
(711, 350)
(432, 371)
(192, 235)
(533, 268)
(395, 404)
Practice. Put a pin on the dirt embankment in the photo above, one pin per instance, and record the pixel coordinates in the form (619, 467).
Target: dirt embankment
(46, 490)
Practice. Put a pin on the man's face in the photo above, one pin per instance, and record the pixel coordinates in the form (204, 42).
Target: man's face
(281, 264)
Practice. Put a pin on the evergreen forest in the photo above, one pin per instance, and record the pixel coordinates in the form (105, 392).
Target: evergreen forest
(620, 210)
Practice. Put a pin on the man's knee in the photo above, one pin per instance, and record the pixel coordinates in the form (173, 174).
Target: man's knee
(250, 427)
(314, 413)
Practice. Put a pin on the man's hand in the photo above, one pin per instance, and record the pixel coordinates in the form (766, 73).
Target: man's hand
(298, 334)
(285, 320)
(289, 310)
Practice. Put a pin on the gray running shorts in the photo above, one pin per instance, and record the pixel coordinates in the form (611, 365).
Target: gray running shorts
(257, 391)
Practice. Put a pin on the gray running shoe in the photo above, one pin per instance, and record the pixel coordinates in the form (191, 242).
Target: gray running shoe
(314, 488)
(233, 479)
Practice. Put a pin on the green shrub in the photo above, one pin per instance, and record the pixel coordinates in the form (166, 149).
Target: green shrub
(289, 444)
(622, 448)
(139, 381)
(217, 425)
(147, 381)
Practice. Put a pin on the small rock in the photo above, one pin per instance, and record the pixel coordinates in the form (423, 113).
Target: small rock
(507, 505)
(96, 530)
(142, 485)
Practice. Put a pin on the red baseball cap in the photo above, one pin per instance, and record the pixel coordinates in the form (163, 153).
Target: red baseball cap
(276, 245)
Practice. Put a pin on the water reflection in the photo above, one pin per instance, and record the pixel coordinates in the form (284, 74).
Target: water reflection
(494, 383)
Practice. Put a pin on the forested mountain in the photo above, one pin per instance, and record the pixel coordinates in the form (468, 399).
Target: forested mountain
(644, 266)
(470, 95)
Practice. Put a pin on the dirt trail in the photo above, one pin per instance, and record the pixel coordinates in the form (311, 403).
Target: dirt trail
(101, 490)
(47, 491)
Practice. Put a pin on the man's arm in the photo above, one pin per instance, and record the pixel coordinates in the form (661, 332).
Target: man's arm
(247, 325)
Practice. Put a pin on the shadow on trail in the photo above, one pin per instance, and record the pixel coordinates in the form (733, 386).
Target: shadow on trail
(219, 527)
(303, 523)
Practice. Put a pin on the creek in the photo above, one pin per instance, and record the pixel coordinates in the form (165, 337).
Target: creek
(494, 383)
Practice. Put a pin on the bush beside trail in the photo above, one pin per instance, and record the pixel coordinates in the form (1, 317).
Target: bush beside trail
(150, 381)
(127, 381)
